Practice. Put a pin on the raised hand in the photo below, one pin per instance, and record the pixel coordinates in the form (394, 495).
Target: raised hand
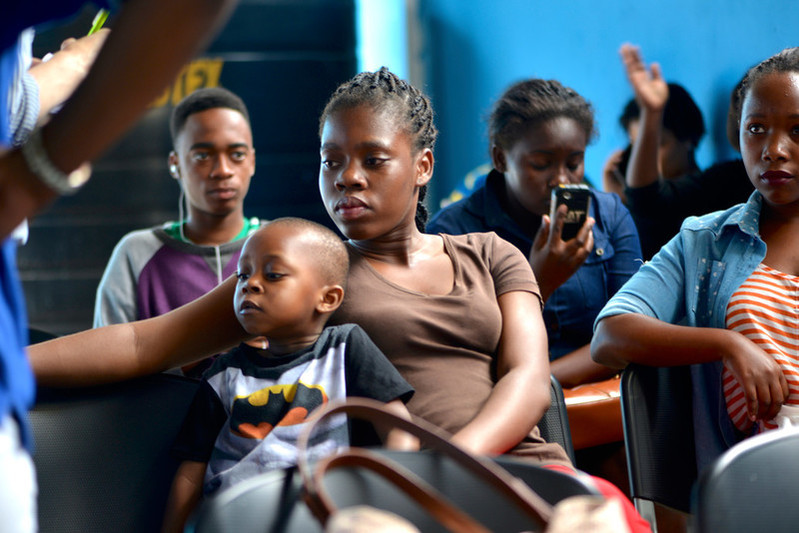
(651, 90)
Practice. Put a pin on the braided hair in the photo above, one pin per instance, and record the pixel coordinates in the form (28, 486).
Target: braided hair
(529, 103)
(782, 62)
(411, 109)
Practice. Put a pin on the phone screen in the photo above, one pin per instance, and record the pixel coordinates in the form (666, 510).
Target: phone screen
(577, 199)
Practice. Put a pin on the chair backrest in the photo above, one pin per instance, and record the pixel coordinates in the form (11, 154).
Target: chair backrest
(269, 502)
(102, 453)
(752, 486)
(36, 335)
(554, 426)
(658, 432)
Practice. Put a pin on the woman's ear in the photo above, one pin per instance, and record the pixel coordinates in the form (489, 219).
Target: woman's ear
(174, 169)
(332, 296)
(424, 167)
(498, 158)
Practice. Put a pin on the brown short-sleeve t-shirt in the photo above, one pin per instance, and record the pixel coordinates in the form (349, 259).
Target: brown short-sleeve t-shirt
(445, 346)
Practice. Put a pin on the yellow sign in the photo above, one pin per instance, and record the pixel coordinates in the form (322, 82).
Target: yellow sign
(197, 74)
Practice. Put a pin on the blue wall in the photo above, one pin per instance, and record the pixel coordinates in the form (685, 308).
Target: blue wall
(475, 49)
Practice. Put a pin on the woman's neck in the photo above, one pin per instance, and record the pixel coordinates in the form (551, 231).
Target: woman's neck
(779, 215)
(402, 248)
(417, 263)
(689, 168)
(527, 221)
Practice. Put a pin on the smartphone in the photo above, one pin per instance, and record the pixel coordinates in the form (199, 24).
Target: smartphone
(577, 199)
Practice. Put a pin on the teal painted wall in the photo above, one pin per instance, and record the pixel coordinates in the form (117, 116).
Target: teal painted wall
(474, 49)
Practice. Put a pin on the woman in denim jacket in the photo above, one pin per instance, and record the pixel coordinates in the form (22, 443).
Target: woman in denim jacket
(681, 308)
(538, 133)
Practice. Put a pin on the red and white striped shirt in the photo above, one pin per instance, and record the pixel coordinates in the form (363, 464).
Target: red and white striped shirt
(765, 309)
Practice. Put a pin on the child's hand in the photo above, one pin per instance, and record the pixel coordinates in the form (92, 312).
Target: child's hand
(760, 377)
(651, 90)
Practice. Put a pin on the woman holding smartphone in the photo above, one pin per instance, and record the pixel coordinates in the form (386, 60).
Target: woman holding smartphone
(538, 131)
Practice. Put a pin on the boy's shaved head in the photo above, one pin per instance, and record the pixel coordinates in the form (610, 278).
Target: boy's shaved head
(291, 277)
(323, 245)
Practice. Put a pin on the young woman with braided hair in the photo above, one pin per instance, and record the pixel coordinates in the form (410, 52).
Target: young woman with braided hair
(456, 305)
(538, 132)
(460, 317)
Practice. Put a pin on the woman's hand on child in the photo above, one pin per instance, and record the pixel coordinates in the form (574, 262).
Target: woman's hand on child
(761, 378)
(651, 90)
(553, 260)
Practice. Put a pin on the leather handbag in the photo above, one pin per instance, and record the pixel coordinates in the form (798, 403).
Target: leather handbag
(538, 514)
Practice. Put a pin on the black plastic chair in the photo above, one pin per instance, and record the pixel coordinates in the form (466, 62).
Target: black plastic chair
(554, 426)
(658, 432)
(752, 486)
(270, 502)
(102, 453)
(36, 335)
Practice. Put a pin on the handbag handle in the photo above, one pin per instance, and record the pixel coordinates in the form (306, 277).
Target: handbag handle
(512, 488)
(418, 489)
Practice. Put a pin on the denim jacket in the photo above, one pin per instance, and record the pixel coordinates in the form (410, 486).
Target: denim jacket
(570, 310)
(690, 282)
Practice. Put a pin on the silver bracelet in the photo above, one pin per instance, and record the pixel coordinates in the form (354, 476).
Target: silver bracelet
(40, 165)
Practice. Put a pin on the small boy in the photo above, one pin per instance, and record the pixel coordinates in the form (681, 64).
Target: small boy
(252, 403)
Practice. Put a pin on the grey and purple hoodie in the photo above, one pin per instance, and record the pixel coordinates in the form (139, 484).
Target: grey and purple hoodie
(153, 271)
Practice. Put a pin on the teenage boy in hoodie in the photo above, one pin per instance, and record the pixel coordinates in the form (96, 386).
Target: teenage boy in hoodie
(155, 270)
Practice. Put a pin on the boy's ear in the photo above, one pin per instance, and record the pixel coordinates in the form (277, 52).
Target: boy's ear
(332, 296)
(498, 158)
(174, 169)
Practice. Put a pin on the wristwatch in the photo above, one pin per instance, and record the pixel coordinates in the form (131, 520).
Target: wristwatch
(39, 163)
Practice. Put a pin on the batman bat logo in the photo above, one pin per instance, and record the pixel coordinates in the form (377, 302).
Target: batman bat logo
(256, 415)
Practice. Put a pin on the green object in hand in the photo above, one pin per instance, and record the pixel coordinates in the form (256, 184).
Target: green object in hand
(99, 20)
